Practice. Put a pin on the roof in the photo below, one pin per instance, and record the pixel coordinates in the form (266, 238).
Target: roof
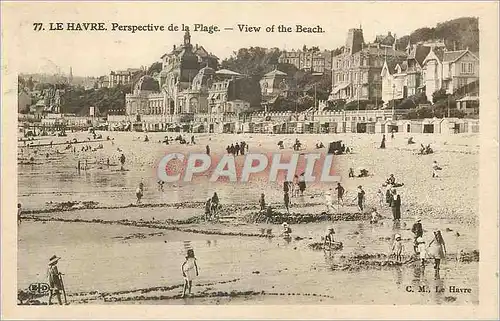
(275, 72)
(227, 72)
(418, 53)
(437, 52)
(148, 83)
(469, 98)
(451, 56)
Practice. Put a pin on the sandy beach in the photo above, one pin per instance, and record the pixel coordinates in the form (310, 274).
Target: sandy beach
(116, 252)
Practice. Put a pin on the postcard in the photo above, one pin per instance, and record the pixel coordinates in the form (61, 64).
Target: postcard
(277, 160)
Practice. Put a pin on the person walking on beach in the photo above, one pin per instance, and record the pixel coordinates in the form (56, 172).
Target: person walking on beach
(397, 248)
(208, 209)
(302, 184)
(421, 250)
(122, 161)
(382, 144)
(189, 272)
(237, 149)
(19, 212)
(54, 278)
(231, 149)
(329, 241)
(286, 199)
(388, 194)
(295, 184)
(417, 231)
(262, 202)
(139, 193)
(392, 134)
(214, 205)
(380, 196)
(328, 200)
(340, 194)
(242, 150)
(269, 214)
(208, 150)
(361, 197)
(437, 249)
(396, 205)
(286, 230)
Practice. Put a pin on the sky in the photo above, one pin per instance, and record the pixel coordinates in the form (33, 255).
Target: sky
(96, 53)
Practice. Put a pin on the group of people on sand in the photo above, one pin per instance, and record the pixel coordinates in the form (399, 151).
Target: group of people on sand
(237, 149)
(212, 207)
(435, 250)
(294, 188)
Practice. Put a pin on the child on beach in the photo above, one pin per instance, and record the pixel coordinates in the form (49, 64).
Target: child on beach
(421, 250)
(189, 271)
(138, 194)
(286, 230)
(375, 216)
(329, 241)
(397, 248)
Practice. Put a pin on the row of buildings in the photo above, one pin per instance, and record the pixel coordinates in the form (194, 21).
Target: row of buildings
(381, 72)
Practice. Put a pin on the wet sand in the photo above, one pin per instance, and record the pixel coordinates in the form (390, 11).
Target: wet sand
(104, 250)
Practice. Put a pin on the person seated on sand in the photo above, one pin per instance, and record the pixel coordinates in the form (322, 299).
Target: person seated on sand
(363, 172)
(319, 145)
(435, 169)
(280, 144)
(410, 141)
(146, 139)
(351, 172)
(391, 180)
(329, 241)
(375, 216)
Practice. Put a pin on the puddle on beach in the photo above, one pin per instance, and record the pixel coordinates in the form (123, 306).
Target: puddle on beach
(110, 258)
(94, 259)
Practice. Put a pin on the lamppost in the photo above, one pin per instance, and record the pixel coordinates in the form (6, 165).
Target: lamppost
(212, 105)
(393, 102)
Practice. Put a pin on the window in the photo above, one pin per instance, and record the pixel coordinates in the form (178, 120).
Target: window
(467, 68)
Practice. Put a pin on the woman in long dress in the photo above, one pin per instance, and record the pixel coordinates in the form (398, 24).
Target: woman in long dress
(437, 249)
(189, 271)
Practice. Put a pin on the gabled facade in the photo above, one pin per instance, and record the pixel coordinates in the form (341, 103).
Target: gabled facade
(449, 70)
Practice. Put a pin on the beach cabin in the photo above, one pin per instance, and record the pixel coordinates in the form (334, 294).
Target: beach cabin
(428, 126)
(437, 124)
(380, 127)
(473, 126)
(370, 128)
(453, 126)
(391, 125)
(404, 126)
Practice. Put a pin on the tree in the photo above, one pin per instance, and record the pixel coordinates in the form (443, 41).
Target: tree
(155, 68)
(439, 95)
